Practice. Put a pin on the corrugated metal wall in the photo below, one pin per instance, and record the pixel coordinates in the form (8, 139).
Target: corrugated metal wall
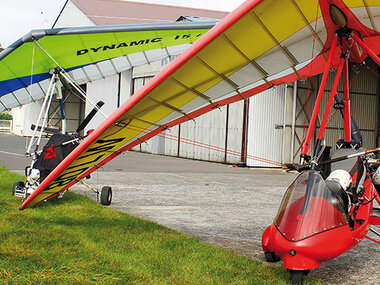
(215, 136)
(266, 127)
(113, 91)
(172, 141)
(235, 131)
(203, 139)
(137, 83)
(210, 130)
(364, 102)
(105, 90)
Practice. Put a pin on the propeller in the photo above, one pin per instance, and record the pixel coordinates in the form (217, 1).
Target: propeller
(90, 116)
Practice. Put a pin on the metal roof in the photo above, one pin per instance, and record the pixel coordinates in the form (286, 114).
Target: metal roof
(115, 12)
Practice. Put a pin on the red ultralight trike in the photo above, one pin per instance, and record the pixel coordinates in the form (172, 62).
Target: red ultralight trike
(323, 215)
(318, 220)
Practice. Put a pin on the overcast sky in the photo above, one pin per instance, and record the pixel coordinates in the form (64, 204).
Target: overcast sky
(18, 17)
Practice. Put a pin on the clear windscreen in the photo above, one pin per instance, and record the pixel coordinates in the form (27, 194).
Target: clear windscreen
(308, 208)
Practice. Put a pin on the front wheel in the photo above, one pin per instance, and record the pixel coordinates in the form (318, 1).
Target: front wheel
(296, 276)
(106, 196)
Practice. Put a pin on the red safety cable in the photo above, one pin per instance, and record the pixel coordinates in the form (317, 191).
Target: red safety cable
(374, 72)
(223, 150)
(353, 80)
(310, 151)
(328, 124)
(372, 239)
(215, 148)
(311, 68)
(207, 146)
(175, 138)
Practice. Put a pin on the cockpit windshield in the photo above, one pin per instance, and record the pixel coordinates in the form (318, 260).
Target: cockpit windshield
(308, 208)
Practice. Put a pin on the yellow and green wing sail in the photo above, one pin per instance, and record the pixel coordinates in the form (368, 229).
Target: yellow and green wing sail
(25, 65)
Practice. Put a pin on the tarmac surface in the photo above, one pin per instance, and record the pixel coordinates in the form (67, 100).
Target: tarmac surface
(222, 205)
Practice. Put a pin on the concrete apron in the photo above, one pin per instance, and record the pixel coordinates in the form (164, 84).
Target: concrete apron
(224, 206)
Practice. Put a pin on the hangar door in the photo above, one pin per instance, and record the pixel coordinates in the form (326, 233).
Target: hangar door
(266, 133)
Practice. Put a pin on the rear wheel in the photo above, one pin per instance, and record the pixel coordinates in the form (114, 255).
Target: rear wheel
(272, 257)
(106, 195)
(17, 186)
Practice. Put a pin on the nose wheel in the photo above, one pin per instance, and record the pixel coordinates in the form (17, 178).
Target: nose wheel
(106, 195)
(296, 276)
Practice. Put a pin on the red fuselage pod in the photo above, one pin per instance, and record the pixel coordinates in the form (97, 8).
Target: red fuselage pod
(312, 224)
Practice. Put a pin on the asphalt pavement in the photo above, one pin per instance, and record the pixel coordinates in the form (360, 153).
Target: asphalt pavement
(222, 205)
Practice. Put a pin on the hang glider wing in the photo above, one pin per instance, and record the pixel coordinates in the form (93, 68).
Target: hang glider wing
(89, 53)
(259, 45)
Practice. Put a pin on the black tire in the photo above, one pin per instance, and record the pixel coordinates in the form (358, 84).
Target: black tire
(272, 257)
(296, 276)
(17, 185)
(106, 196)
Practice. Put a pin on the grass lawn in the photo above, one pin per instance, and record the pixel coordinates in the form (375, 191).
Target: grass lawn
(77, 241)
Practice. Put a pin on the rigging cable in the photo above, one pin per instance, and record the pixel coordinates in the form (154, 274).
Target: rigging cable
(311, 68)
(207, 146)
(30, 87)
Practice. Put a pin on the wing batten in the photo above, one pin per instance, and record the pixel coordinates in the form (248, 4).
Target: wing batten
(248, 60)
(195, 91)
(308, 24)
(5, 108)
(278, 44)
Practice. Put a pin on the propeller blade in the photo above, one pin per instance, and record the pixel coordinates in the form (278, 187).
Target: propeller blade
(90, 116)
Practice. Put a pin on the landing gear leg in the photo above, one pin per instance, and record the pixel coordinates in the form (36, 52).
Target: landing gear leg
(105, 193)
